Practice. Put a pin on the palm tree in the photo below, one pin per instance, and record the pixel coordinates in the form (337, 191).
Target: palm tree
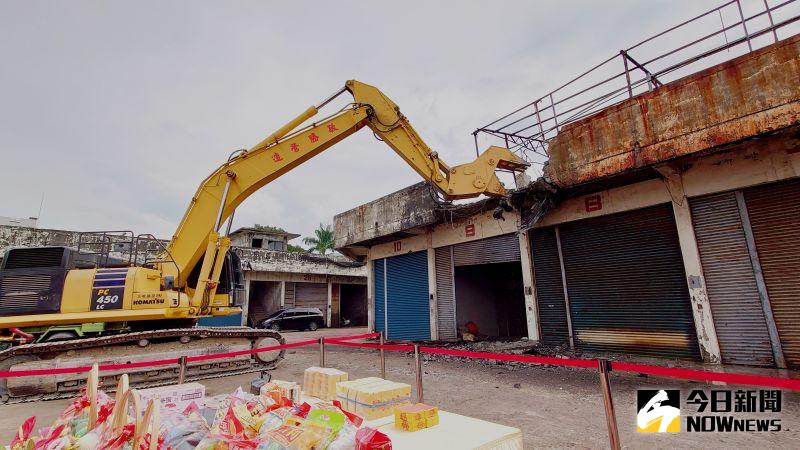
(323, 240)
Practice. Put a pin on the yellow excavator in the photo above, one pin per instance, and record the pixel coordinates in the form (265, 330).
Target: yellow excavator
(62, 307)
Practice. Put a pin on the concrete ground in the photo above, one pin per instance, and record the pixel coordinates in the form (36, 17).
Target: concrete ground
(555, 407)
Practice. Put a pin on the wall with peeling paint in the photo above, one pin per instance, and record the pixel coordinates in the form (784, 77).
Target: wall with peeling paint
(748, 96)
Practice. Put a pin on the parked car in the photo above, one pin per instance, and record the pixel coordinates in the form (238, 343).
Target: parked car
(294, 319)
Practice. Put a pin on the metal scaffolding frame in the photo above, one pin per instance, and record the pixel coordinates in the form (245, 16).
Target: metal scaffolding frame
(528, 129)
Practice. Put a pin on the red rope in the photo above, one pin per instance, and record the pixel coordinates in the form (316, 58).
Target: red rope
(688, 374)
(704, 375)
(350, 338)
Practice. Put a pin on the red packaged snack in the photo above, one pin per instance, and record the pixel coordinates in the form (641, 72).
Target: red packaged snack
(372, 439)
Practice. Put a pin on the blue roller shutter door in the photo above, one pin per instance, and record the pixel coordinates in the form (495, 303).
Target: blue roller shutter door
(401, 294)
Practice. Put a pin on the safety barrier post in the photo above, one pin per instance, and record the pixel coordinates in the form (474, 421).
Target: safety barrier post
(611, 419)
(322, 352)
(383, 357)
(182, 370)
(418, 364)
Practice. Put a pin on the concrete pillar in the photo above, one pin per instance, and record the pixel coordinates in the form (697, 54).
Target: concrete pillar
(246, 303)
(283, 294)
(432, 298)
(701, 307)
(531, 311)
(370, 293)
(330, 303)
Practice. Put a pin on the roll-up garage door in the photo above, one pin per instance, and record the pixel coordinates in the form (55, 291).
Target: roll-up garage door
(497, 249)
(379, 275)
(312, 295)
(549, 287)
(774, 212)
(732, 290)
(406, 298)
(626, 284)
(445, 294)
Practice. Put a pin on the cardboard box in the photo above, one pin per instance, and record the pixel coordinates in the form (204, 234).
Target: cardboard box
(321, 382)
(174, 396)
(416, 417)
(372, 398)
(288, 389)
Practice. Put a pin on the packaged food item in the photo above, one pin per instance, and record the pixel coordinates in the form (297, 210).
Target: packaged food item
(307, 436)
(321, 382)
(371, 439)
(174, 396)
(372, 398)
(286, 389)
(416, 417)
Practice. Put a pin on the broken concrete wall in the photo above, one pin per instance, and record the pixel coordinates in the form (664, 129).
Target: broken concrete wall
(260, 260)
(751, 95)
(13, 236)
(403, 210)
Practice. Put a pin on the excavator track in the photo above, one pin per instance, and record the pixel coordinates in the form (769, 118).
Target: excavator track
(135, 347)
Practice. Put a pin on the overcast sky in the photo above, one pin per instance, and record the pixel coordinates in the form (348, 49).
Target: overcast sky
(115, 111)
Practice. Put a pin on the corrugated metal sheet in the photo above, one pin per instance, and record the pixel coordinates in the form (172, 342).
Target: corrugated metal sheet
(288, 295)
(407, 301)
(626, 284)
(312, 295)
(497, 249)
(775, 219)
(732, 291)
(445, 294)
(379, 275)
(549, 287)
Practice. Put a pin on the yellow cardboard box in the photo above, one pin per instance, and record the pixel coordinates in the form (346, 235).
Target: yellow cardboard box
(416, 417)
(321, 382)
(372, 398)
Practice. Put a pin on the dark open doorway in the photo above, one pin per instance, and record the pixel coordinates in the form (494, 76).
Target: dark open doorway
(491, 296)
(263, 300)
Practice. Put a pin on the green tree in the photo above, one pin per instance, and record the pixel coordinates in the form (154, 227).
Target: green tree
(322, 241)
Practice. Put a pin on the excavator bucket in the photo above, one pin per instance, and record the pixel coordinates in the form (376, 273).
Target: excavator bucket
(479, 177)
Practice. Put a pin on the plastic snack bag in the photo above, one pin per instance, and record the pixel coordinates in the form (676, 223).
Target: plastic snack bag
(22, 440)
(372, 439)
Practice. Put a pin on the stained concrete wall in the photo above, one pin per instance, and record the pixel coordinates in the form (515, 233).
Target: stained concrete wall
(403, 210)
(751, 95)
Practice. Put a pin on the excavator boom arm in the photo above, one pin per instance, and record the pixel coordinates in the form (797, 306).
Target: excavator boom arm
(227, 187)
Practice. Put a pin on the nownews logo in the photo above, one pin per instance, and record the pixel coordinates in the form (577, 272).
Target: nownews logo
(659, 411)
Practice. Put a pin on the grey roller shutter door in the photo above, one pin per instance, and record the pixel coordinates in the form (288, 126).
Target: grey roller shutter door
(774, 212)
(445, 294)
(626, 284)
(731, 284)
(549, 287)
(312, 295)
(497, 249)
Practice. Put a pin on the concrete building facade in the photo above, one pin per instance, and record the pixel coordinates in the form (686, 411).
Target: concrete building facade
(673, 230)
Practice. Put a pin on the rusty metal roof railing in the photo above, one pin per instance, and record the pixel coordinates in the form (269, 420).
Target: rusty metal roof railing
(681, 50)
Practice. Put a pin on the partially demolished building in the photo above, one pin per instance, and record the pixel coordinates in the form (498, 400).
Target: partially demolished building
(666, 221)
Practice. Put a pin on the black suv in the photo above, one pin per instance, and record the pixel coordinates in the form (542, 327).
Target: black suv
(294, 319)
